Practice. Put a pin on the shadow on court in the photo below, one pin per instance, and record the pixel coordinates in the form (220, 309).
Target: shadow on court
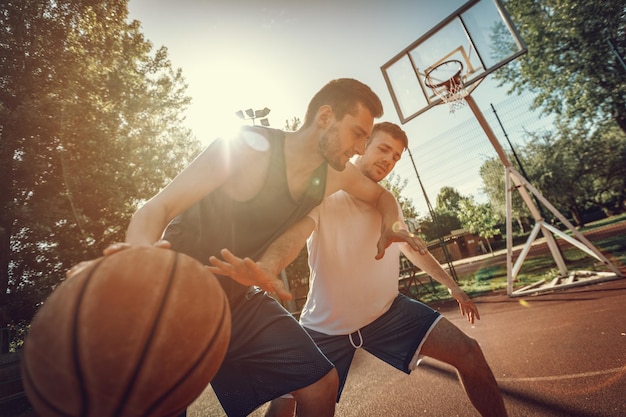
(561, 354)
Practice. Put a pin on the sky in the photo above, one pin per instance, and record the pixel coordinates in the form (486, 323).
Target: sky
(240, 54)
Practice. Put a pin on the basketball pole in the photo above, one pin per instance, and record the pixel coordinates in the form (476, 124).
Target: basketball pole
(433, 215)
(439, 80)
(548, 231)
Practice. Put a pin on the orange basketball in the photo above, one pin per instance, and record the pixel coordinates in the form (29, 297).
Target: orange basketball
(138, 333)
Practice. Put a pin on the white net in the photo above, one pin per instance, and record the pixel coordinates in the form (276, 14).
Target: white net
(446, 82)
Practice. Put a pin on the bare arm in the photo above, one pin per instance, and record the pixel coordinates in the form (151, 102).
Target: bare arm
(207, 172)
(237, 164)
(213, 168)
(278, 255)
(393, 229)
(285, 249)
(427, 263)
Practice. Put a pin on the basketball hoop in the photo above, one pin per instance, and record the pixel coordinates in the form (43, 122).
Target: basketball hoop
(446, 82)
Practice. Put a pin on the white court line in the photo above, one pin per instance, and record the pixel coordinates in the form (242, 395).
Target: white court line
(562, 377)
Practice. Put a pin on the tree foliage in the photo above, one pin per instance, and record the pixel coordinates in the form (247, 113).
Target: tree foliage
(444, 218)
(576, 168)
(293, 124)
(91, 127)
(571, 63)
(478, 219)
(448, 199)
(492, 174)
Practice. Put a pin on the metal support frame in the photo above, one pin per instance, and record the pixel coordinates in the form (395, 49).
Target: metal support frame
(515, 181)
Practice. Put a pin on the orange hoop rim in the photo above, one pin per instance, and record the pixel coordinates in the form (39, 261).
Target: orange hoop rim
(446, 83)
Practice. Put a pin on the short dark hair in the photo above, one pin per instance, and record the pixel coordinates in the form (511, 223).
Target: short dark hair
(393, 130)
(344, 95)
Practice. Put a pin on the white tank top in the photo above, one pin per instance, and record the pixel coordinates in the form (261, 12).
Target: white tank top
(348, 287)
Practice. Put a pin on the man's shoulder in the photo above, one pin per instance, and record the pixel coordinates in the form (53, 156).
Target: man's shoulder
(259, 138)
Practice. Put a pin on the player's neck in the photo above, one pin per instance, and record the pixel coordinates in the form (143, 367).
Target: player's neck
(302, 150)
(302, 158)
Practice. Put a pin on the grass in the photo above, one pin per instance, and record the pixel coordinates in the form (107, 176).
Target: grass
(492, 274)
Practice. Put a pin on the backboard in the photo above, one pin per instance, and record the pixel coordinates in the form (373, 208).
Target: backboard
(480, 35)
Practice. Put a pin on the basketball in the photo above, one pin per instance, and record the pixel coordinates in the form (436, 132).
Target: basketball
(138, 333)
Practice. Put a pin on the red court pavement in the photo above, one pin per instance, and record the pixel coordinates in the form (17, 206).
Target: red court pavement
(558, 354)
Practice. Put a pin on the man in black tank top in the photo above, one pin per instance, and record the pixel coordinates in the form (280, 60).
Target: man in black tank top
(242, 193)
(245, 227)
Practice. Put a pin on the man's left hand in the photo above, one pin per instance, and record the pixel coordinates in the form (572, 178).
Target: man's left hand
(466, 305)
(398, 233)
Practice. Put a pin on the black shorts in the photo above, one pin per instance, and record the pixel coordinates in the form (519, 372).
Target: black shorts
(394, 337)
(269, 355)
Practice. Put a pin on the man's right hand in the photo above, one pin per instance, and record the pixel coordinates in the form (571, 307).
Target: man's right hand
(247, 272)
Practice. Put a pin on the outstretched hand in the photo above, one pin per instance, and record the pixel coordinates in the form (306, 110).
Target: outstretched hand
(466, 305)
(247, 272)
(398, 233)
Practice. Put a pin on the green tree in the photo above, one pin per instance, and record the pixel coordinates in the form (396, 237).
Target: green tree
(578, 169)
(91, 127)
(445, 217)
(478, 219)
(570, 62)
(448, 199)
(293, 124)
(492, 175)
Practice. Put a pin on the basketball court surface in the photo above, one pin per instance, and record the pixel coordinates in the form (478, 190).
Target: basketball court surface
(560, 354)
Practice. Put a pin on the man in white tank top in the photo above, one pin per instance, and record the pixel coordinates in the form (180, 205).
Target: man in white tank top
(353, 300)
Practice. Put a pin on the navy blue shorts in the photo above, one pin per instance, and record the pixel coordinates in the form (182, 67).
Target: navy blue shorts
(394, 337)
(269, 355)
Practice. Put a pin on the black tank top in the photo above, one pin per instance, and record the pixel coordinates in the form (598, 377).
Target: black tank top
(245, 228)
